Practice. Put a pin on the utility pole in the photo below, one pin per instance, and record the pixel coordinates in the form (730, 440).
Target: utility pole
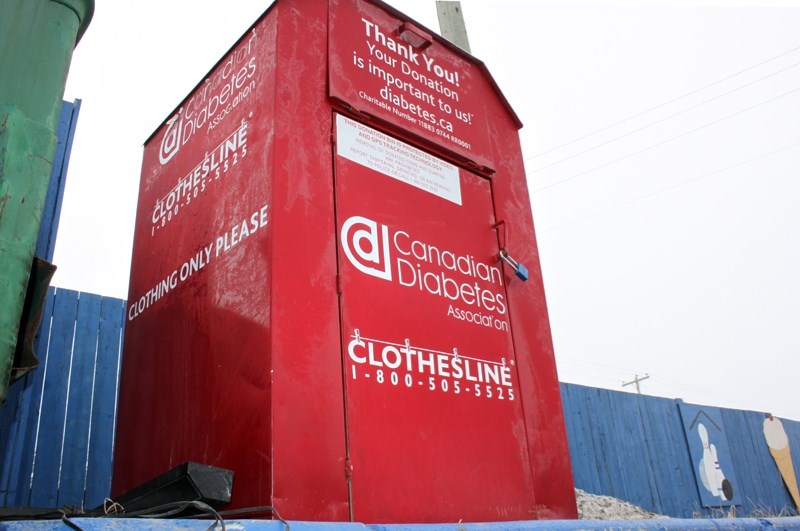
(635, 381)
(451, 23)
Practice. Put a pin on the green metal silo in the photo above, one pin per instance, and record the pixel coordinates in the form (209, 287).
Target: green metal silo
(37, 38)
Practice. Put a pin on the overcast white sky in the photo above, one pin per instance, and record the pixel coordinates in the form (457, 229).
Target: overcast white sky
(662, 147)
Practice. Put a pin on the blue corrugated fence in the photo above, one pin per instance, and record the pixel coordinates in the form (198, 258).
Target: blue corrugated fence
(57, 426)
(51, 214)
(633, 447)
(57, 429)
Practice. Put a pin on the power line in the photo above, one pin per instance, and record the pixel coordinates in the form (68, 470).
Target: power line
(713, 394)
(678, 185)
(609, 368)
(658, 144)
(673, 100)
(651, 124)
(675, 385)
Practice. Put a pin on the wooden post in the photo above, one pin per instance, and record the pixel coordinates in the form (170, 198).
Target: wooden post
(451, 23)
(635, 381)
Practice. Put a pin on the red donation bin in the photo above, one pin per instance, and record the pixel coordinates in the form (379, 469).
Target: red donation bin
(323, 294)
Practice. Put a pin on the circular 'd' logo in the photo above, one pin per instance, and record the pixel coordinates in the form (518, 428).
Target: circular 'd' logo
(366, 245)
(171, 142)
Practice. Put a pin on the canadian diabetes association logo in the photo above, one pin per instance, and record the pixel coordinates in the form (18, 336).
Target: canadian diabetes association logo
(214, 100)
(396, 256)
(366, 245)
(171, 142)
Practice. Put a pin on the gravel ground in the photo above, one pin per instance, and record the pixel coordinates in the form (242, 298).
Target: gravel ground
(596, 507)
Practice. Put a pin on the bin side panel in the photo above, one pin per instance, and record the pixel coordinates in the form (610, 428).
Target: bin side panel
(308, 411)
(195, 381)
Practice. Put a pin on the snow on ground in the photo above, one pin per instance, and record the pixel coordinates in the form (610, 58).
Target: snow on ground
(596, 507)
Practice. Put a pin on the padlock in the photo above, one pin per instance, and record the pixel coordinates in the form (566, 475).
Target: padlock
(520, 270)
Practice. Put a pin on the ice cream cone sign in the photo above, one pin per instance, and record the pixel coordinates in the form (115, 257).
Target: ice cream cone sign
(778, 444)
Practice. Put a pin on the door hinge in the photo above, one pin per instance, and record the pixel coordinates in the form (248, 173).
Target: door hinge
(338, 284)
(501, 234)
(348, 469)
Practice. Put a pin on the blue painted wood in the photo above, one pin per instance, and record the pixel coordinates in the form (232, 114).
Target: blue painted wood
(65, 135)
(10, 414)
(632, 445)
(19, 416)
(570, 416)
(44, 488)
(581, 470)
(685, 489)
(16, 483)
(713, 427)
(660, 454)
(81, 377)
(87, 449)
(109, 352)
(778, 498)
(742, 450)
(793, 432)
(688, 496)
(759, 466)
(9, 429)
(651, 448)
(764, 464)
(761, 488)
(26, 420)
(672, 484)
(613, 459)
(663, 452)
(669, 458)
(598, 477)
(584, 464)
(597, 436)
(587, 446)
(581, 452)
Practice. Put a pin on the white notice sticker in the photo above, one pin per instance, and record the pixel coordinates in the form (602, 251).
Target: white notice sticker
(392, 157)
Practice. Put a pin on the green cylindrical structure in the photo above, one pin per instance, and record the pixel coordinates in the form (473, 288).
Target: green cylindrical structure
(37, 38)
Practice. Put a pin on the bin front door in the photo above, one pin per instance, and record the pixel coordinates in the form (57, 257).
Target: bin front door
(433, 417)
